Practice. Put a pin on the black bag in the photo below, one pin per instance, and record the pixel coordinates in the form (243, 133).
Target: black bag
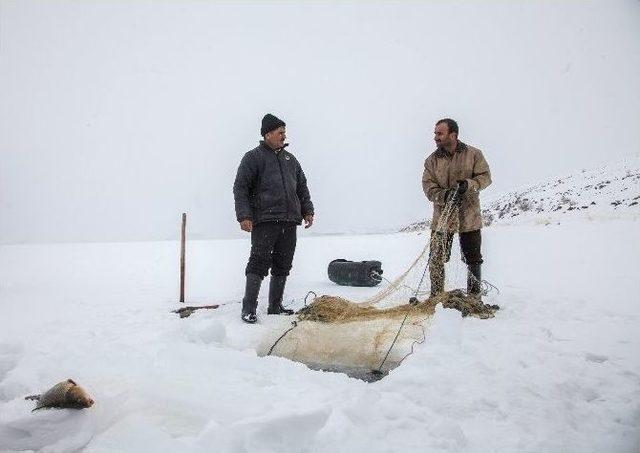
(355, 273)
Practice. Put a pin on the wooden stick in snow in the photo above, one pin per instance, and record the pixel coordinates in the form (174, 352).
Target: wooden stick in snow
(182, 255)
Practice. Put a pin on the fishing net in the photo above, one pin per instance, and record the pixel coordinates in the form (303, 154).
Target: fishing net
(367, 339)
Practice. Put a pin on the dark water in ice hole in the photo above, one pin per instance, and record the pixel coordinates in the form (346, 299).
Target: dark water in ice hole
(364, 374)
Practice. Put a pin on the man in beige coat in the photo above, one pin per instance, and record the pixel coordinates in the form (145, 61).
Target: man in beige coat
(453, 176)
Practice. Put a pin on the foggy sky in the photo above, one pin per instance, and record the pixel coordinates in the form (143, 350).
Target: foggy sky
(115, 117)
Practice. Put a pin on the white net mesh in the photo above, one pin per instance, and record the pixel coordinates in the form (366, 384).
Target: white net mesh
(414, 282)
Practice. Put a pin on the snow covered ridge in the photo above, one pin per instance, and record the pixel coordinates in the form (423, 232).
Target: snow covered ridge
(609, 192)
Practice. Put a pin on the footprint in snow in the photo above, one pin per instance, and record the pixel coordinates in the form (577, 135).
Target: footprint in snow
(590, 357)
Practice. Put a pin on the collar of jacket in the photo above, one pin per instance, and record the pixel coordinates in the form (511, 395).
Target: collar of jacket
(267, 147)
(441, 152)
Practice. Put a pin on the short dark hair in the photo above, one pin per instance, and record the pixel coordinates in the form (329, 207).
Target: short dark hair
(452, 126)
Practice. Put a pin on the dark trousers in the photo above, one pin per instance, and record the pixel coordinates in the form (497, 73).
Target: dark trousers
(272, 247)
(440, 252)
(470, 243)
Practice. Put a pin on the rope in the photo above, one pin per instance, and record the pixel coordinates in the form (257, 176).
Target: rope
(487, 286)
(295, 324)
(414, 299)
(404, 285)
(379, 370)
(305, 297)
(415, 342)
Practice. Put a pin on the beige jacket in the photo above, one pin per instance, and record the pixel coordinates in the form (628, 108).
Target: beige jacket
(442, 171)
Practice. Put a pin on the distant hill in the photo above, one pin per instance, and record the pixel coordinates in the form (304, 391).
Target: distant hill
(609, 192)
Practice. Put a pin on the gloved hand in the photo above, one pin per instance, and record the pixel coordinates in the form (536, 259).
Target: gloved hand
(463, 185)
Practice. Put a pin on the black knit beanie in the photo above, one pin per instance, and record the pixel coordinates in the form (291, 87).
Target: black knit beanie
(270, 123)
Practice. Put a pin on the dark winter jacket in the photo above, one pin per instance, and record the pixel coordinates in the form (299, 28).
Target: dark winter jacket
(271, 186)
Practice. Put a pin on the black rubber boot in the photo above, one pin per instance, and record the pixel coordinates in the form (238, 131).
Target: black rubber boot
(276, 290)
(474, 279)
(436, 273)
(250, 300)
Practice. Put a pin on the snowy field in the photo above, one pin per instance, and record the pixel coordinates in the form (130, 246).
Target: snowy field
(557, 369)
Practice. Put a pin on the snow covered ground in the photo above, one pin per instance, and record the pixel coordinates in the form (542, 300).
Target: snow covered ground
(557, 369)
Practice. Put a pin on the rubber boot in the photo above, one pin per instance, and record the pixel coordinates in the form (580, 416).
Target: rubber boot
(436, 273)
(276, 290)
(474, 279)
(250, 300)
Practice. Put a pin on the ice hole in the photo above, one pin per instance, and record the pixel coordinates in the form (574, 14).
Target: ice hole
(338, 336)
(362, 341)
(355, 348)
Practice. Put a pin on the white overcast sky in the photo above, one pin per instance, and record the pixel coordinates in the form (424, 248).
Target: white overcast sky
(116, 116)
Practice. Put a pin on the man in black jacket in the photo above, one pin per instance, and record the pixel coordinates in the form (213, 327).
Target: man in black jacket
(271, 199)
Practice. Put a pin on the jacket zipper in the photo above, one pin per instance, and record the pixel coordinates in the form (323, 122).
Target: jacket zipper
(284, 185)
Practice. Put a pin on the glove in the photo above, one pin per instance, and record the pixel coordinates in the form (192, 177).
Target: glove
(463, 185)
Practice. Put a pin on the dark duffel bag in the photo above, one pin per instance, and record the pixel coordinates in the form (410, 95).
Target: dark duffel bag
(355, 273)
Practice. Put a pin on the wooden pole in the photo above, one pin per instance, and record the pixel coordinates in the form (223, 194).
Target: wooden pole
(182, 255)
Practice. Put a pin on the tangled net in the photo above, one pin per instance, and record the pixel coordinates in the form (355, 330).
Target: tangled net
(467, 305)
(337, 309)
